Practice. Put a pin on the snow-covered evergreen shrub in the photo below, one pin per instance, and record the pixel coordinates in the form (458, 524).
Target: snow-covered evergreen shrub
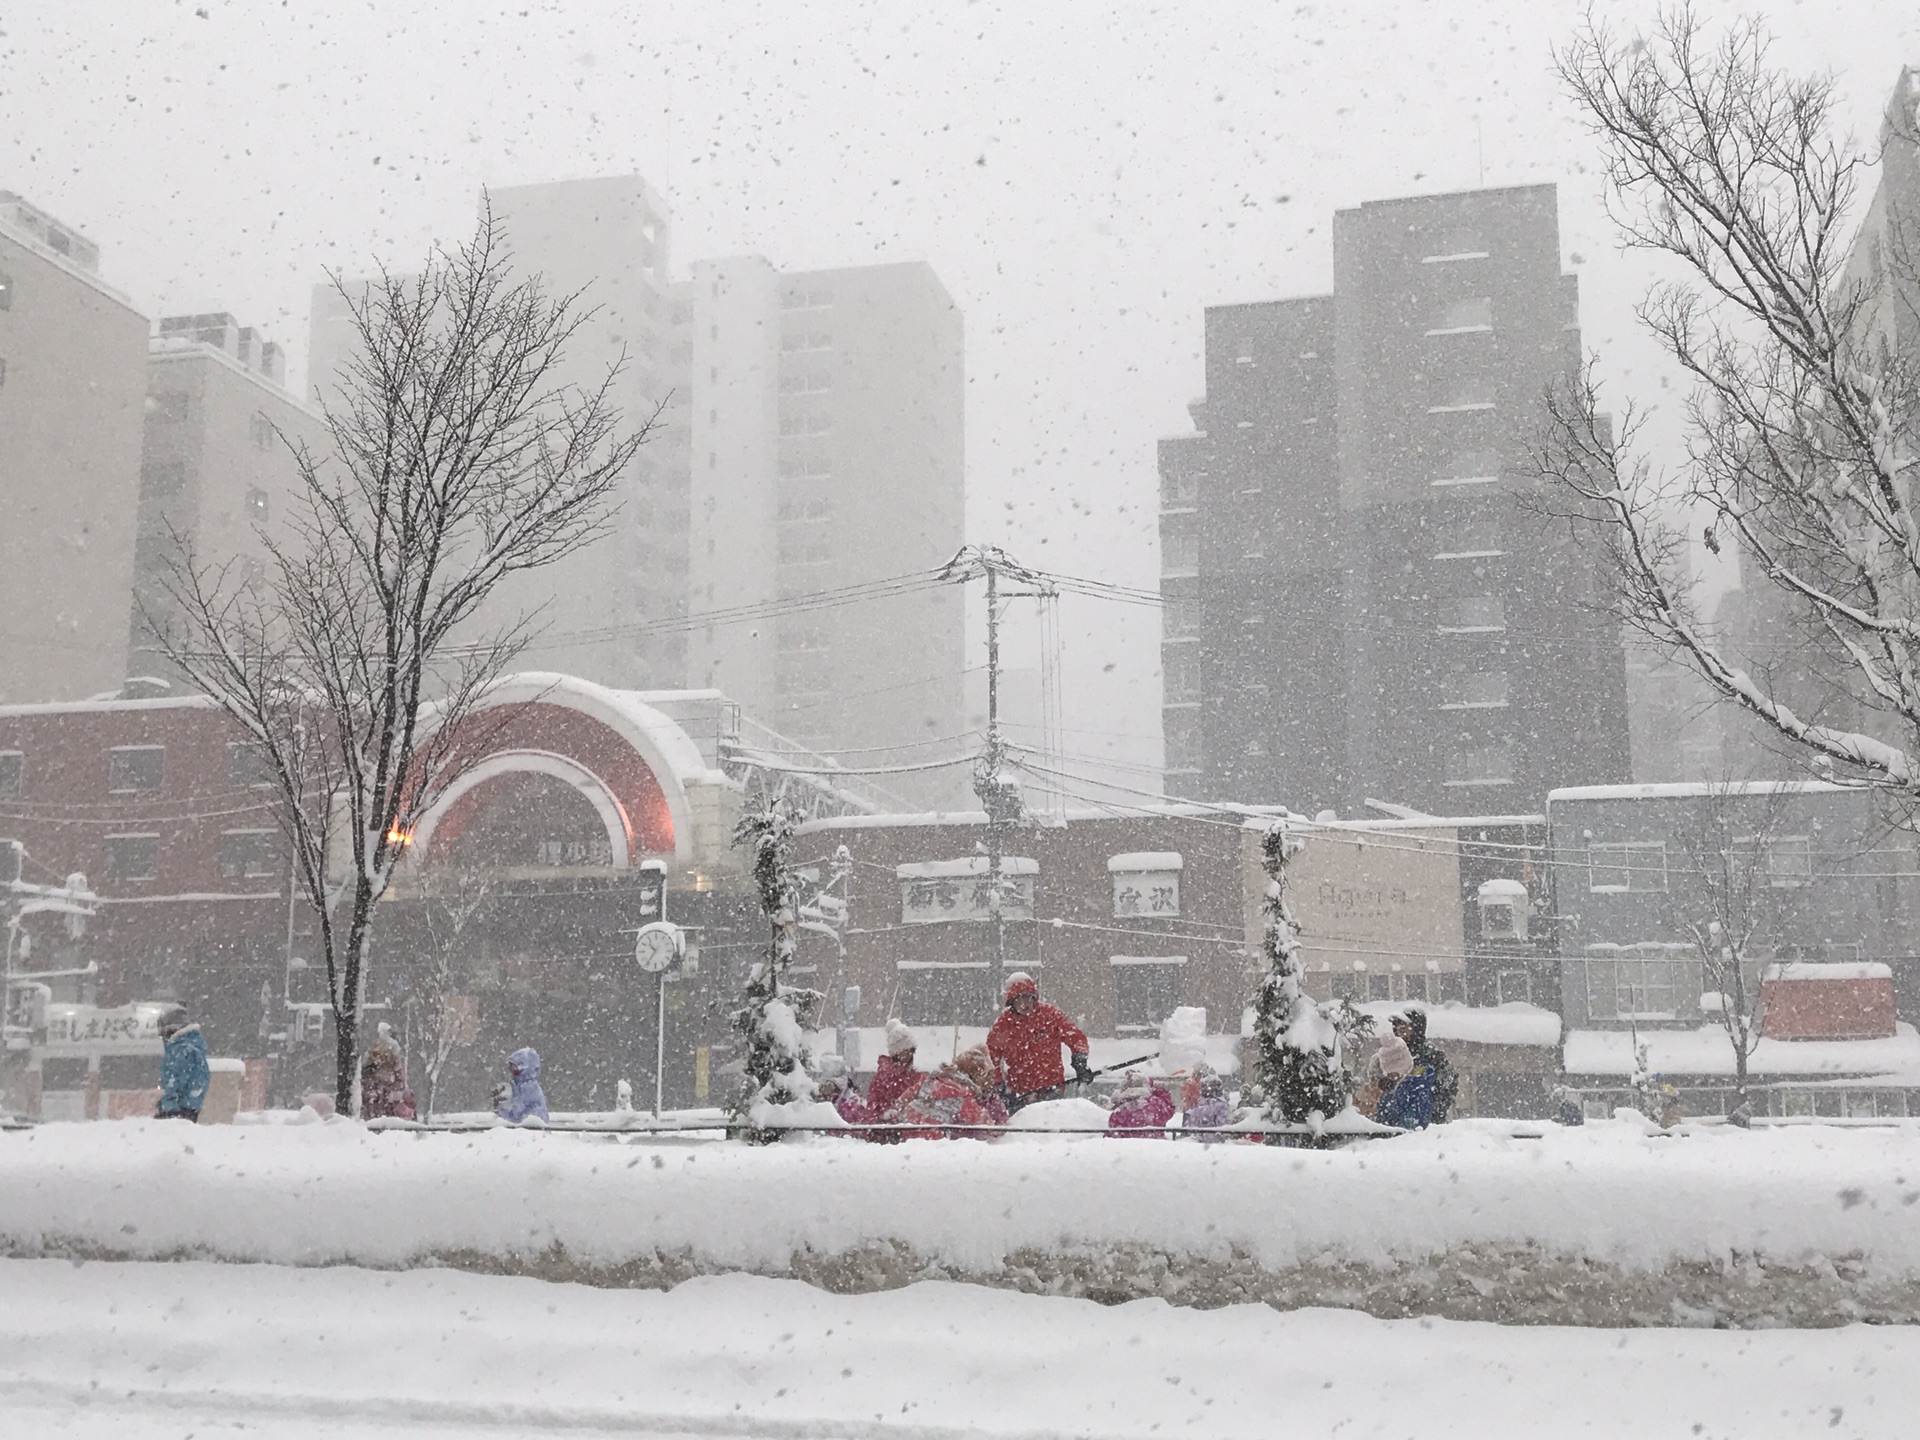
(1297, 1066)
(772, 1020)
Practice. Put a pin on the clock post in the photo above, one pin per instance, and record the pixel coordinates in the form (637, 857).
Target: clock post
(657, 946)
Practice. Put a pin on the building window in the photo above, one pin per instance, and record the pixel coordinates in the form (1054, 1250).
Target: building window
(1455, 388)
(136, 769)
(3, 372)
(248, 765)
(1179, 547)
(133, 857)
(163, 479)
(1481, 690)
(261, 428)
(1618, 868)
(1179, 614)
(1475, 539)
(1179, 489)
(257, 505)
(1472, 615)
(12, 763)
(6, 291)
(1180, 667)
(1639, 987)
(1468, 468)
(1146, 990)
(1512, 987)
(1146, 886)
(1456, 317)
(1785, 861)
(1183, 739)
(247, 854)
(1461, 241)
(1481, 764)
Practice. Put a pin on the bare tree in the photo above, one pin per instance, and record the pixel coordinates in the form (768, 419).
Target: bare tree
(440, 1015)
(1725, 897)
(1800, 421)
(456, 458)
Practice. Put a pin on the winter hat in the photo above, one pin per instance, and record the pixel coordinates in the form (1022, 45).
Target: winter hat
(1134, 1085)
(900, 1041)
(1020, 983)
(832, 1074)
(1396, 1059)
(171, 1021)
(976, 1065)
(1213, 1087)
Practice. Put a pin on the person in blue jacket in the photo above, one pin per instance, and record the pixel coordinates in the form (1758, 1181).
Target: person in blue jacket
(525, 1097)
(1409, 1104)
(183, 1067)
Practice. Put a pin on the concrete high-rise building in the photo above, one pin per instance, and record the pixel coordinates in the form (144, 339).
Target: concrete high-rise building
(217, 467)
(72, 381)
(1359, 602)
(606, 240)
(827, 452)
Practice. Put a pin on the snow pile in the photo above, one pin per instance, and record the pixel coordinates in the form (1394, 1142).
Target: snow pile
(1614, 1194)
(1183, 1040)
(1060, 1115)
(128, 1352)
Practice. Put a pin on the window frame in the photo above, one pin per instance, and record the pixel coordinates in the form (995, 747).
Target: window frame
(114, 754)
(150, 836)
(1625, 848)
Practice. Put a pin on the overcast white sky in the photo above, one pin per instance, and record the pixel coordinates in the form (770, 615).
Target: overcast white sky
(1083, 177)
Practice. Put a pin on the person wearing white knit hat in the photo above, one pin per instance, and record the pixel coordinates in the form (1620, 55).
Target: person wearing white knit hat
(894, 1076)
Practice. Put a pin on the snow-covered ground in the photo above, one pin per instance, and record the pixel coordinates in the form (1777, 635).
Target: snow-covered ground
(141, 1351)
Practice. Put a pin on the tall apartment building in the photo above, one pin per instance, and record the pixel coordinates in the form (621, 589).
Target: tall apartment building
(1359, 602)
(217, 467)
(608, 241)
(827, 452)
(72, 383)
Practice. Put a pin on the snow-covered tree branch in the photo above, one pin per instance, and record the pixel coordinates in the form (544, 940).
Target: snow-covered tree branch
(455, 457)
(1298, 1065)
(773, 1018)
(1801, 418)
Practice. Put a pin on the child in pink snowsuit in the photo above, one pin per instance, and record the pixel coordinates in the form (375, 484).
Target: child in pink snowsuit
(1141, 1106)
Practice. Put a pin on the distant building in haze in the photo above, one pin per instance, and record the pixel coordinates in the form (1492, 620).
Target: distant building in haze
(72, 381)
(827, 452)
(1358, 602)
(607, 240)
(217, 466)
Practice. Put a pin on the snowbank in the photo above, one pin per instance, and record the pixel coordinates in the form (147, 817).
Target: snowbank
(136, 1352)
(1707, 1051)
(1250, 1221)
(940, 1043)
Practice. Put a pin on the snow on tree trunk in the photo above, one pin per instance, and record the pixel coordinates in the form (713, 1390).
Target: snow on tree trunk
(772, 1020)
(1297, 1068)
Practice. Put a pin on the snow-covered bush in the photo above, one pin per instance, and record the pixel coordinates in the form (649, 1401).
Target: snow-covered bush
(1297, 1067)
(773, 1019)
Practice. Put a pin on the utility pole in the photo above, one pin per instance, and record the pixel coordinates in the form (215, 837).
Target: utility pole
(999, 796)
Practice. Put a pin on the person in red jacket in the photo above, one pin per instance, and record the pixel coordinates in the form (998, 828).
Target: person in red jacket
(1025, 1042)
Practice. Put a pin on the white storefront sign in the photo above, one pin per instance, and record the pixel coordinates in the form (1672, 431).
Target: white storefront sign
(936, 891)
(1146, 885)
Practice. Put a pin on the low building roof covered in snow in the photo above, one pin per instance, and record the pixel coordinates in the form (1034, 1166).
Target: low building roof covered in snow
(1146, 860)
(1708, 1051)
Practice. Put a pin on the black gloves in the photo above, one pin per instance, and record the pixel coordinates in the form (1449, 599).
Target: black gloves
(1082, 1071)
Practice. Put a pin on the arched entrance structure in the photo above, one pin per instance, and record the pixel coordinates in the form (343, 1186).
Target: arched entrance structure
(629, 762)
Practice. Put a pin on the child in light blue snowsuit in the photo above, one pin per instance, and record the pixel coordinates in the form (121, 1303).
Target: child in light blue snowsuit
(525, 1098)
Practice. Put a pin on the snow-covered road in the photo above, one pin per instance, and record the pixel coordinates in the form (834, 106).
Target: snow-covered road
(133, 1351)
